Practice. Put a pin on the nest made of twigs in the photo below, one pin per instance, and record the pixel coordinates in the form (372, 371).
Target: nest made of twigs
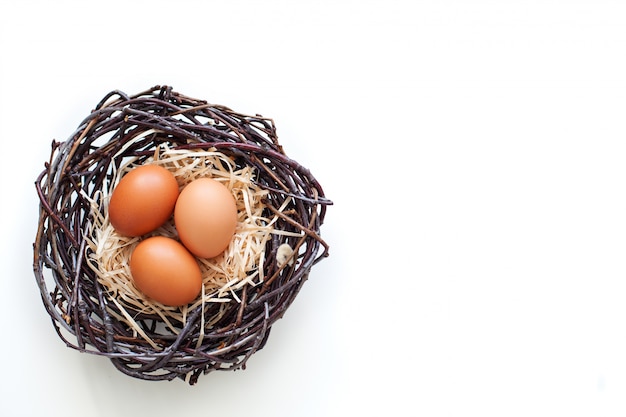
(79, 261)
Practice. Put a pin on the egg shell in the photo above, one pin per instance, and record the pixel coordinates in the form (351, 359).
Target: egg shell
(143, 200)
(205, 217)
(165, 271)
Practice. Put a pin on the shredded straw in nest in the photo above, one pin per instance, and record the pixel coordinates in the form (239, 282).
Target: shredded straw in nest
(240, 264)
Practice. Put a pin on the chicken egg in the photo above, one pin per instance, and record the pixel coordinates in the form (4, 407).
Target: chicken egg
(205, 217)
(143, 200)
(165, 271)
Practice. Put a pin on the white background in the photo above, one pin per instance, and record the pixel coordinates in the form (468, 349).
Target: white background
(475, 153)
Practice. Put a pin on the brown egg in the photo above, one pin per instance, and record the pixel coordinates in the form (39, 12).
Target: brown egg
(165, 271)
(143, 200)
(206, 217)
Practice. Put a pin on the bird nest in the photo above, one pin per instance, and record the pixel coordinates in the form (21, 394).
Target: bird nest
(81, 262)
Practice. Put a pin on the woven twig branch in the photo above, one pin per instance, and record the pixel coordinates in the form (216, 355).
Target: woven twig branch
(121, 128)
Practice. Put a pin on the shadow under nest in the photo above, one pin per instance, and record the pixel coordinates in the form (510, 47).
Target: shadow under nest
(123, 127)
